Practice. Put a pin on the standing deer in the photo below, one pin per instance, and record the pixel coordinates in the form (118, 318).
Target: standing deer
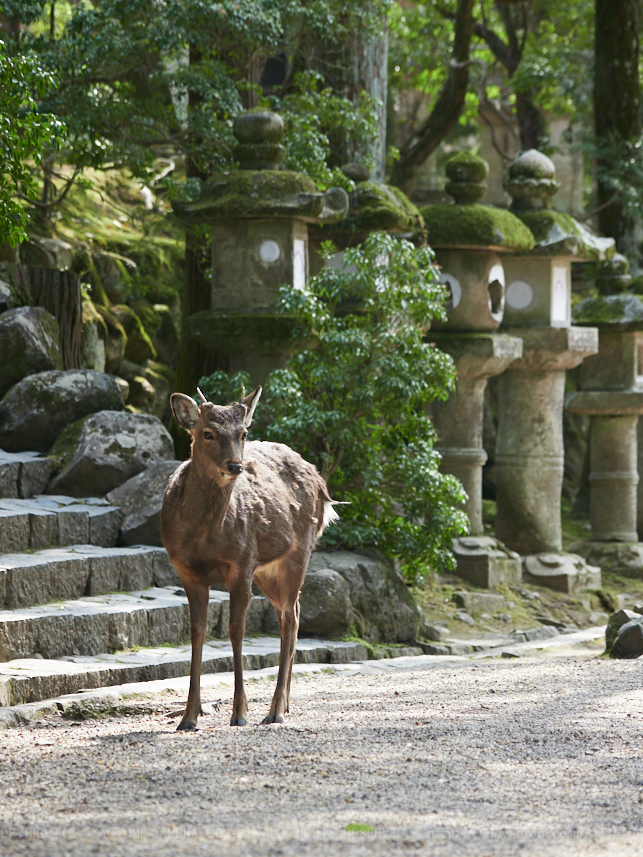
(234, 520)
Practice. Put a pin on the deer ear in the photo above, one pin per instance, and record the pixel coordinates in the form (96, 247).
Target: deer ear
(251, 403)
(185, 410)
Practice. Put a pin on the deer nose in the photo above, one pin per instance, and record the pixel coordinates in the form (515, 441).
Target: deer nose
(235, 468)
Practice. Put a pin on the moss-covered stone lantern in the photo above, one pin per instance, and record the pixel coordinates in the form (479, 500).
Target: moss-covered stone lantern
(529, 458)
(373, 207)
(468, 239)
(259, 216)
(612, 395)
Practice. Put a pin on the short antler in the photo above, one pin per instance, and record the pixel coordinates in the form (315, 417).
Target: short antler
(203, 398)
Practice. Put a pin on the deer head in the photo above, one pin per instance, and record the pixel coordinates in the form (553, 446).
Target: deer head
(218, 433)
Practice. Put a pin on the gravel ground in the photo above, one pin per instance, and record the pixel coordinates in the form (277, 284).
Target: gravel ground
(532, 756)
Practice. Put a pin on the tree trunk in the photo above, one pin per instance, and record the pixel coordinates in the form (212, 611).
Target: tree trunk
(359, 65)
(447, 108)
(617, 101)
(59, 293)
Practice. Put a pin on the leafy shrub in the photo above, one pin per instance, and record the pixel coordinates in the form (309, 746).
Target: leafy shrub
(355, 404)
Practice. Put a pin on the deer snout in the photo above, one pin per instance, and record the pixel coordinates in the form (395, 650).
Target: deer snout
(235, 468)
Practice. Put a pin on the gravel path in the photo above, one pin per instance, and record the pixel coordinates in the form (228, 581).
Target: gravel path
(534, 756)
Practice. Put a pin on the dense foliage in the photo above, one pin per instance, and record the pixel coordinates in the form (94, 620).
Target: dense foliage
(355, 405)
(25, 133)
(139, 80)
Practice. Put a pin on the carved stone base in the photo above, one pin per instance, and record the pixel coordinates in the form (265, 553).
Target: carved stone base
(564, 572)
(619, 557)
(485, 562)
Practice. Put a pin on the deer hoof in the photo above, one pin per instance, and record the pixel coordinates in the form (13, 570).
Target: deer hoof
(188, 726)
(272, 718)
(237, 721)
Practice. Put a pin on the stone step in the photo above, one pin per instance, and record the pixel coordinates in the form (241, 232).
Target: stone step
(23, 474)
(62, 574)
(111, 623)
(56, 521)
(32, 680)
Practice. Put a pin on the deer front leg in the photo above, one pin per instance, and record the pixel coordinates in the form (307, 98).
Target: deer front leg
(198, 595)
(289, 621)
(240, 597)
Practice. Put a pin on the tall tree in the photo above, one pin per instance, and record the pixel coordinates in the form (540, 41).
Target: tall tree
(617, 109)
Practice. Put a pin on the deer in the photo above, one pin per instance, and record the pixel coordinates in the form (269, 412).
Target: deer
(233, 513)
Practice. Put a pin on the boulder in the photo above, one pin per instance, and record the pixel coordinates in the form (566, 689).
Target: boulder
(116, 339)
(36, 409)
(140, 499)
(7, 297)
(325, 604)
(383, 607)
(94, 338)
(629, 639)
(29, 343)
(615, 623)
(98, 453)
(139, 346)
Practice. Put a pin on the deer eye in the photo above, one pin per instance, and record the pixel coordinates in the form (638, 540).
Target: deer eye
(244, 435)
(208, 435)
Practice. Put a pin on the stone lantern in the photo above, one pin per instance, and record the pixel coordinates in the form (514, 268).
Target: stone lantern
(612, 395)
(529, 457)
(259, 217)
(470, 241)
(373, 207)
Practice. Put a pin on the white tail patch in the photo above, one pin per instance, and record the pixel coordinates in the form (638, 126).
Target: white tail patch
(330, 515)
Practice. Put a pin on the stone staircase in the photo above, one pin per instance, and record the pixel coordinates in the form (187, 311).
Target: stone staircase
(77, 612)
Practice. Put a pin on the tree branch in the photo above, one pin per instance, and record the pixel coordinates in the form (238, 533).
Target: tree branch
(446, 109)
(48, 205)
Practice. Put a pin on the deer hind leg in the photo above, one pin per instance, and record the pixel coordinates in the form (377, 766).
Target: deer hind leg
(198, 596)
(240, 597)
(280, 582)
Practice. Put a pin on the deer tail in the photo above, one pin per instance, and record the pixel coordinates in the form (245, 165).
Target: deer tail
(329, 513)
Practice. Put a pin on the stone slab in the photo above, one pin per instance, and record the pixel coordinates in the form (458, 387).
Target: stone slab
(618, 403)
(485, 562)
(59, 574)
(23, 474)
(32, 680)
(109, 623)
(480, 602)
(54, 522)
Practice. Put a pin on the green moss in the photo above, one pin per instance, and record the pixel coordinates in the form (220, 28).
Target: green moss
(467, 167)
(139, 347)
(561, 234)
(475, 226)
(252, 193)
(65, 445)
(622, 311)
(376, 206)
(239, 332)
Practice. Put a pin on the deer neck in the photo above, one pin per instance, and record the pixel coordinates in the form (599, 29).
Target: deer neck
(210, 501)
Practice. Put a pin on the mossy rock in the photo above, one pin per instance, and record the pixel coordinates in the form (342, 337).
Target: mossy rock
(623, 312)
(35, 410)
(558, 234)
(29, 343)
(96, 454)
(475, 226)
(139, 346)
(159, 324)
(116, 339)
(254, 193)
